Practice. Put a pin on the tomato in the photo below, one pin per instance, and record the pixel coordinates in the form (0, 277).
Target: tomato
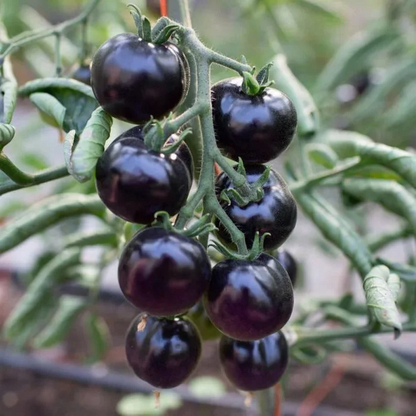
(248, 300)
(289, 263)
(256, 128)
(162, 272)
(254, 365)
(135, 182)
(165, 352)
(134, 80)
(275, 213)
(82, 74)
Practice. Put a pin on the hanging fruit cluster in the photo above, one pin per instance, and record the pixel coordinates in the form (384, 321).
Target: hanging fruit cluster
(145, 177)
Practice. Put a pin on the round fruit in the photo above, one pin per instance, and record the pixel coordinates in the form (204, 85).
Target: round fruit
(289, 263)
(165, 352)
(254, 365)
(162, 272)
(205, 327)
(135, 182)
(182, 152)
(82, 74)
(247, 300)
(134, 80)
(256, 128)
(275, 213)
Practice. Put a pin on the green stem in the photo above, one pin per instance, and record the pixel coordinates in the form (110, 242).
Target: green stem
(274, 27)
(29, 37)
(381, 240)
(13, 172)
(185, 13)
(36, 179)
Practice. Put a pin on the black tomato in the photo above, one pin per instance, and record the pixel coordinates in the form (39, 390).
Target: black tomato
(275, 213)
(134, 80)
(82, 74)
(135, 182)
(254, 365)
(162, 272)
(247, 300)
(205, 327)
(182, 152)
(165, 352)
(285, 259)
(256, 128)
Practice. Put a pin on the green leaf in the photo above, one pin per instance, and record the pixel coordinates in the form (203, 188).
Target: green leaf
(380, 299)
(98, 335)
(90, 146)
(322, 155)
(8, 89)
(337, 230)
(68, 310)
(92, 238)
(33, 160)
(7, 133)
(348, 144)
(285, 81)
(397, 77)
(46, 213)
(323, 8)
(207, 387)
(50, 106)
(391, 195)
(394, 284)
(354, 55)
(76, 97)
(379, 241)
(405, 271)
(39, 291)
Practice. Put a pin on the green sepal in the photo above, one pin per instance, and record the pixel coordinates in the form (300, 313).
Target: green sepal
(243, 60)
(141, 22)
(240, 167)
(224, 196)
(173, 147)
(260, 182)
(229, 254)
(154, 136)
(201, 227)
(250, 85)
(162, 219)
(263, 75)
(258, 245)
(147, 29)
(165, 34)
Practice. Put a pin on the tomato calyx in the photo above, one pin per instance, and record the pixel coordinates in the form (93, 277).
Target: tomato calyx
(256, 249)
(256, 85)
(161, 32)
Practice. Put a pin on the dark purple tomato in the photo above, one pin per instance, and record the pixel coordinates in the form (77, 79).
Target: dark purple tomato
(205, 327)
(135, 182)
(82, 74)
(275, 213)
(247, 300)
(283, 259)
(162, 272)
(256, 128)
(165, 352)
(134, 80)
(254, 365)
(182, 152)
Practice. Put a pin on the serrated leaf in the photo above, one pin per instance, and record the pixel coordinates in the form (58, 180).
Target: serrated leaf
(50, 106)
(322, 155)
(348, 144)
(46, 213)
(391, 195)
(285, 80)
(337, 230)
(207, 387)
(98, 335)
(82, 160)
(38, 291)
(354, 55)
(380, 299)
(77, 98)
(68, 310)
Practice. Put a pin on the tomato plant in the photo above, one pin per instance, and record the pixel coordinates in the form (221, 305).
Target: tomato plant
(190, 212)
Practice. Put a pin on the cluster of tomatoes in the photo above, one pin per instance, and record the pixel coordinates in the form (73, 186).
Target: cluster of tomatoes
(164, 273)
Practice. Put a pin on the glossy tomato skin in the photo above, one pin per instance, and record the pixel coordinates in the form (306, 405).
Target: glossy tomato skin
(247, 300)
(275, 213)
(165, 353)
(289, 263)
(82, 74)
(135, 182)
(133, 79)
(254, 365)
(255, 128)
(183, 152)
(162, 272)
